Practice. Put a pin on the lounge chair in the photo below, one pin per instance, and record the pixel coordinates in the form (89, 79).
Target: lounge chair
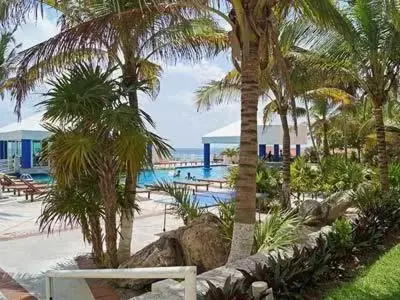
(34, 189)
(9, 183)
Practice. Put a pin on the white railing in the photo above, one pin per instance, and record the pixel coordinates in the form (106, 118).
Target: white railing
(187, 273)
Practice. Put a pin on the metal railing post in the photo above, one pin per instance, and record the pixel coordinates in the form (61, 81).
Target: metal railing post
(190, 284)
(49, 288)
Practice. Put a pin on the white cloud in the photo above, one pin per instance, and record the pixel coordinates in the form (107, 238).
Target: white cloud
(202, 72)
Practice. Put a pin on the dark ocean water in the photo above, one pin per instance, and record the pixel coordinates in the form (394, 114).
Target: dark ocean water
(193, 153)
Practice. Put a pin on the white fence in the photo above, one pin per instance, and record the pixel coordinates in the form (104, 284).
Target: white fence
(187, 273)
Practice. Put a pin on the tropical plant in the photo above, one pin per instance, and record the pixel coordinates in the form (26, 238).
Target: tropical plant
(130, 35)
(340, 239)
(290, 276)
(232, 175)
(187, 207)
(394, 176)
(230, 152)
(226, 213)
(370, 53)
(8, 51)
(278, 231)
(232, 290)
(78, 204)
(96, 134)
(305, 179)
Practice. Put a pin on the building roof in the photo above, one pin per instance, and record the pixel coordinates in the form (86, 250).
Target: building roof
(268, 135)
(27, 128)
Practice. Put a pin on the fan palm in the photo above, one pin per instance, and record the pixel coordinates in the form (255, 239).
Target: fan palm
(371, 57)
(97, 134)
(131, 35)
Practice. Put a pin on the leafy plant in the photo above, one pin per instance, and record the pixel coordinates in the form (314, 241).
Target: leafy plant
(304, 178)
(232, 176)
(226, 211)
(186, 207)
(232, 290)
(289, 276)
(340, 239)
(279, 231)
(394, 176)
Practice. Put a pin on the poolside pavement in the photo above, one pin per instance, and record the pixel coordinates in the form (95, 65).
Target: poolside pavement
(25, 254)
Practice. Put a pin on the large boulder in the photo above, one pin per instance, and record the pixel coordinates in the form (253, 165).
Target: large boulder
(325, 212)
(200, 243)
(203, 244)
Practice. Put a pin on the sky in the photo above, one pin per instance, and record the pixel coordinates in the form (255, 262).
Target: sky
(173, 111)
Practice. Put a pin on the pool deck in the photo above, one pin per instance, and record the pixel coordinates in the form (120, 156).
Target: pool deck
(25, 253)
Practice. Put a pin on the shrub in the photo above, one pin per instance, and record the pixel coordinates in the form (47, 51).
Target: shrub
(226, 212)
(340, 239)
(290, 276)
(304, 178)
(186, 207)
(232, 290)
(232, 176)
(341, 174)
(394, 176)
(279, 231)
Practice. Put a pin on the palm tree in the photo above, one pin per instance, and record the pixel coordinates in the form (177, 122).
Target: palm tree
(230, 153)
(292, 35)
(98, 135)
(131, 35)
(372, 57)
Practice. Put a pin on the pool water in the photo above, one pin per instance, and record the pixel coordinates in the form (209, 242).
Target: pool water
(151, 177)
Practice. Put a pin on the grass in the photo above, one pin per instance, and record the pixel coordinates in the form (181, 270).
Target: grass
(379, 281)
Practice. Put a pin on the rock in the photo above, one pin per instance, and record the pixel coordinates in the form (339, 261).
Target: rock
(199, 243)
(326, 211)
(164, 252)
(203, 244)
(338, 203)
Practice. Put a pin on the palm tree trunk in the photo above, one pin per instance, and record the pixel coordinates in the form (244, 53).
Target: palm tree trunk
(311, 132)
(243, 229)
(97, 238)
(125, 242)
(285, 196)
(325, 141)
(381, 145)
(107, 187)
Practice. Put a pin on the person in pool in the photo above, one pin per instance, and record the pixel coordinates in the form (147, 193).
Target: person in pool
(177, 173)
(188, 177)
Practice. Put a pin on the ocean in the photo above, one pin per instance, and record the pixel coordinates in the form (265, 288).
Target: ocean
(193, 153)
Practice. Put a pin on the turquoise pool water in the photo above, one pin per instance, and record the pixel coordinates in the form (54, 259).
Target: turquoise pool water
(150, 177)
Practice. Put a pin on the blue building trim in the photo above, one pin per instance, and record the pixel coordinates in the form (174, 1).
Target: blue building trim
(262, 150)
(26, 154)
(150, 154)
(3, 149)
(207, 156)
(298, 150)
(276, 152)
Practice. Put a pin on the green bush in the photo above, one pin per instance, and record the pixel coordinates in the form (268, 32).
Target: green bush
(340, 174)
(186, 207)
(288, 276)
(304, 178)
(226, 212)
(232, 290)
(279, 231)
(394, 176)
(340, 239)
(232, 176)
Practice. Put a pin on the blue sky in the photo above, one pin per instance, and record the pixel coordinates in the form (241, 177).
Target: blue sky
(173, 111)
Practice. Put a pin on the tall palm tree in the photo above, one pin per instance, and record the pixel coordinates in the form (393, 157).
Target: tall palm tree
(371, 57)
(131, 35)
(293, 35)
(97, 134)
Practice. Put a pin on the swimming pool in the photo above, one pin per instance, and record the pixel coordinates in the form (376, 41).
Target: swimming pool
(150, 177)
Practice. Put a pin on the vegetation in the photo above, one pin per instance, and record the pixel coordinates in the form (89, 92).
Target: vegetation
(186, 207)
(379, 281)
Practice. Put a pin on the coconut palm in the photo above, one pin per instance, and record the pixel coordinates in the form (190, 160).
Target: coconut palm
(97, 134)
(371, 57)
(292, 35)
(131, 35)
(230, 153)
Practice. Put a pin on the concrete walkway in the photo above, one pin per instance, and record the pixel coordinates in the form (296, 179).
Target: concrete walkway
(25, 254)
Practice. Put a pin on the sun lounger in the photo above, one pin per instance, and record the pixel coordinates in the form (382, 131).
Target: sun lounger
(220, 181)
(143, 191)
(34, 189)
(194, 184)
(9, 183)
